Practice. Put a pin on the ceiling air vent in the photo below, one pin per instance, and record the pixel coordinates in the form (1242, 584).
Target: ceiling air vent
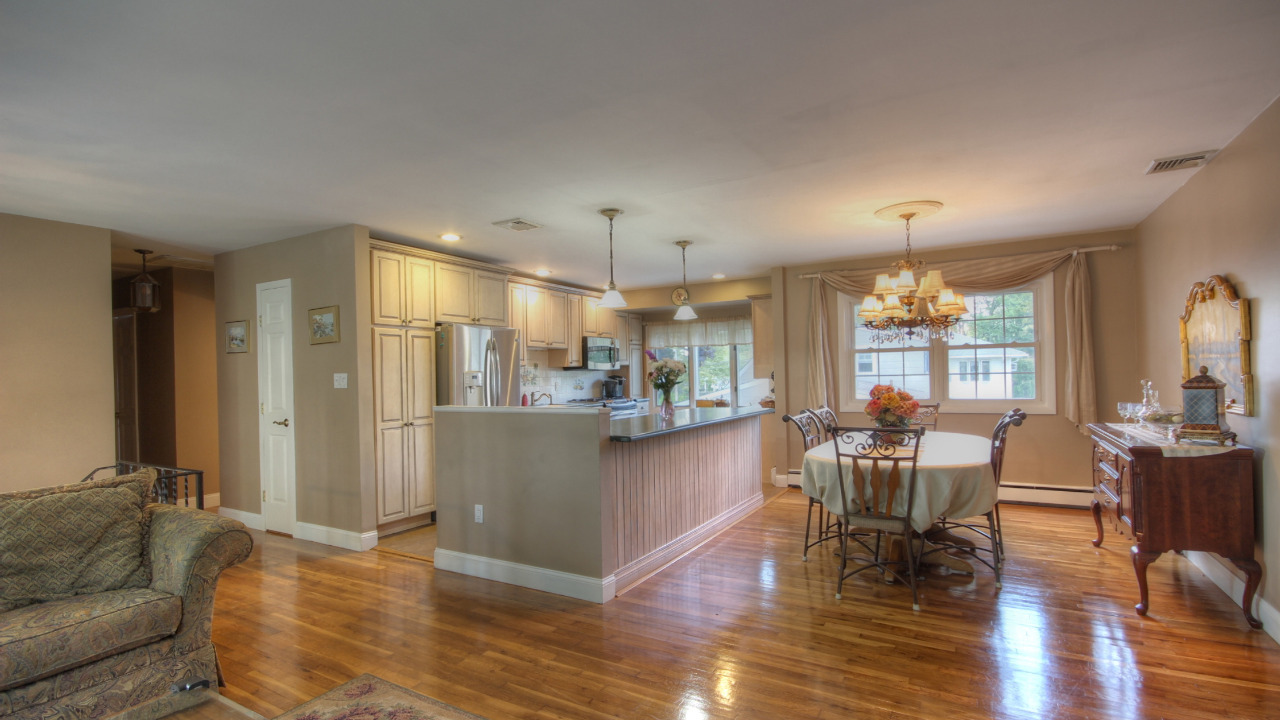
(517, 224)
(1181, 162)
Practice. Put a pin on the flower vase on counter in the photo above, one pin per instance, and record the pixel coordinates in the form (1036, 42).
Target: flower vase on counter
(664, 375)
(667, 410)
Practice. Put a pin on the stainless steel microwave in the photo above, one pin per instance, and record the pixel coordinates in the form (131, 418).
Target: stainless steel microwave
(600, 353)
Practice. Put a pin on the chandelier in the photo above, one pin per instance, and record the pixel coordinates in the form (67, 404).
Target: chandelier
(899, 308)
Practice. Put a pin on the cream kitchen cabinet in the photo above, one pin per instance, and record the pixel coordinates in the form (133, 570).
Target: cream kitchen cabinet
(404, 394)
(558, 319)
(403, 289)
(571, 355)
(516, 294)
(598, 321)
(470, 295)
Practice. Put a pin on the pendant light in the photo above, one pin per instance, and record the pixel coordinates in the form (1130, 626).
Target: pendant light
(612, 298)
(144, 291)
(680, 296)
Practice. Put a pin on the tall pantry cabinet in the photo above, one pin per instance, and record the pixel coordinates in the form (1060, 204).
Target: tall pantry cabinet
(404, 385)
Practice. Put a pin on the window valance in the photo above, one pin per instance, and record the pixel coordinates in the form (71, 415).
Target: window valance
(977, 276)
(716, 331)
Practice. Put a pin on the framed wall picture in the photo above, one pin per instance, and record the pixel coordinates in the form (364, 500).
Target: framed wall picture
(237, 336)
(324, 325)
(1215, 333)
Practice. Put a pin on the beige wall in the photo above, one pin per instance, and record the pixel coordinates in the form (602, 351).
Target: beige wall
(657, 299)
(1224, 221)
(1047, 449)
(195, 386)
(57, 401)
(333, 436)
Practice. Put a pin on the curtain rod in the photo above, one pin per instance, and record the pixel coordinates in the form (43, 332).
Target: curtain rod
(1095, 248)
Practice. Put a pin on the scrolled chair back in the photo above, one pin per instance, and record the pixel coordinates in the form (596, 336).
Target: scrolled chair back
(808, 425)
(1000, 434)
(827, 417)
(873, 494)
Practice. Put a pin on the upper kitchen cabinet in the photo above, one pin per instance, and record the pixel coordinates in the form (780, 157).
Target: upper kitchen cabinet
(470, 295)
(516, 318)
(542, 314)
(403, 292)
(598, 321)
(571, 355)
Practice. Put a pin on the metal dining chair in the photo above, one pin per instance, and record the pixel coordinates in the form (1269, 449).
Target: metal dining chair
(828, 528)
(868, 500)
(928, 416)
(827, 417)
(940, 534)
(998, 437)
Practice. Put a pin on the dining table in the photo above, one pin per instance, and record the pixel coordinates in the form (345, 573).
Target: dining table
(954, 478)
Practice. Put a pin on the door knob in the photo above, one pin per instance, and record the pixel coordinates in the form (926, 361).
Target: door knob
(284, 422)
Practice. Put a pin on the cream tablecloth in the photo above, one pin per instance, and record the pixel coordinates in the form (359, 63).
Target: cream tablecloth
(954, 478)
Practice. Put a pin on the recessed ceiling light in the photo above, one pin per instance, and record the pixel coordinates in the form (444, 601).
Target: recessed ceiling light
(451, 237)
(718, 276)
(542, 273)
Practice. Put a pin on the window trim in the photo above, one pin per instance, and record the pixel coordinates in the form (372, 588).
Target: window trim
(1045, 402)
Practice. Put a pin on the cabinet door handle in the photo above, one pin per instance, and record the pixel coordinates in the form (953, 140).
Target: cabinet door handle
(284, 422)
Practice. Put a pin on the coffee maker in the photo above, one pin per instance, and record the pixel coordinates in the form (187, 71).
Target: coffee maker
(613, 387)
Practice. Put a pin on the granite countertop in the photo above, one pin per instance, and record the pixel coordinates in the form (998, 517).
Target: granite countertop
(640, 427)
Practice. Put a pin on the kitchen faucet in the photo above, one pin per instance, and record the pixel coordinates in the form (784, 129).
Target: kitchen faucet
(536, 395)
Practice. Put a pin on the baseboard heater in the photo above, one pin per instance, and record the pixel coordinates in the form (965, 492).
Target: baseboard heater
(1045, 495)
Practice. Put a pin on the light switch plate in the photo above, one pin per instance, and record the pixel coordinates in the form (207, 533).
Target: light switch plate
(339, 380)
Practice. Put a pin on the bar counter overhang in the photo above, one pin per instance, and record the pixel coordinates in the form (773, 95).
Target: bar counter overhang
(577, 505)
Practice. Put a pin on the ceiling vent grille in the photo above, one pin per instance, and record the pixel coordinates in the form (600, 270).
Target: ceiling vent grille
(517, 224)
(1181, 162)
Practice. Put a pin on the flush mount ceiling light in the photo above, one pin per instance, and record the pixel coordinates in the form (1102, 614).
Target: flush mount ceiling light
(718, 276)
(451, 237)
(903, 308)
(612, 298)
(542, 273)
(680, 296)
(144, 291)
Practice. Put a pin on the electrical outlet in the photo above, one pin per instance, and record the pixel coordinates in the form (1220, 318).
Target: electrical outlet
(480, 513)
(339, 380)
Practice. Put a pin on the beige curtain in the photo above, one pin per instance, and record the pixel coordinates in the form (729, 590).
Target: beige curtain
(976, 276)
(682, 333)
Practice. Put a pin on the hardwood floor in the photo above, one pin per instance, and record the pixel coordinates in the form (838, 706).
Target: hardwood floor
(741, 628)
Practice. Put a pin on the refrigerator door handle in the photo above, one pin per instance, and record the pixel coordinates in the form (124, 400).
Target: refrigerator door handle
(490, 373)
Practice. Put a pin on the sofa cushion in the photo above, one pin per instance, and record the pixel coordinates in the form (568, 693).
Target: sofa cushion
(44, 639)
(69, 540)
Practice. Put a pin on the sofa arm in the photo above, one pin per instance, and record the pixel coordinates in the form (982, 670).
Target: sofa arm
(189, 548)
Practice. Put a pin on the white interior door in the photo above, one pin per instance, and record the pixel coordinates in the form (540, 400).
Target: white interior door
(275, 396)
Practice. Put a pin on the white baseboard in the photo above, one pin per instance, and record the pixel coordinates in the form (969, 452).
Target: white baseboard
(252, 521)
(346, 539)
(1058, 495)
(1234, 588)
(594, 590)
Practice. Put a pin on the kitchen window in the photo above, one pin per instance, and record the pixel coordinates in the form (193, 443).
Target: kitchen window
(999, 356)
(718, 353)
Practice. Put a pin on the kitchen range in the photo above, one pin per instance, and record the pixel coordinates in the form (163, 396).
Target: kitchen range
(618, 407)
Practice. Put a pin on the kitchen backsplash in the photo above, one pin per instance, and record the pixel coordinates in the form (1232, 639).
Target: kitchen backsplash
(562, 384)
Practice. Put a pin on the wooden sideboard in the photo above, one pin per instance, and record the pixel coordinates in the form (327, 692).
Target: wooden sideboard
(1202, 503)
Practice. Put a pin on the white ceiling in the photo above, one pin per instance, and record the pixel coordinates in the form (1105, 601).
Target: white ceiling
(765, 132)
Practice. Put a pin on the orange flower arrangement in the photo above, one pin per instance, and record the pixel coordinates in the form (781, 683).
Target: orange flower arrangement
(890, 407)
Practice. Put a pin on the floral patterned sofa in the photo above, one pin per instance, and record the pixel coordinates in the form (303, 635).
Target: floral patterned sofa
(106, 600)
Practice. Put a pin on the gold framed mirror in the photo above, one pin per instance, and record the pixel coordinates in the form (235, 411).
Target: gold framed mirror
(1214, 331)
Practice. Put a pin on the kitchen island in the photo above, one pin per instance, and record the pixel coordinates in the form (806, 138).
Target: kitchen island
(567, 501)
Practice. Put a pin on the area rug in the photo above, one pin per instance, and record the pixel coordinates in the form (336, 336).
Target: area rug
(372, 698)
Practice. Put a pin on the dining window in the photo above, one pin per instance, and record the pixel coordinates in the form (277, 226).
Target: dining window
(999, 355)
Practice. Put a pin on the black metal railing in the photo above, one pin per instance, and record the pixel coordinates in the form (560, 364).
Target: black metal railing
(173, 485)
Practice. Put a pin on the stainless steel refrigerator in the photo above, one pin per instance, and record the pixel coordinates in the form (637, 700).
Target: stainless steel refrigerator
(477, 365)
